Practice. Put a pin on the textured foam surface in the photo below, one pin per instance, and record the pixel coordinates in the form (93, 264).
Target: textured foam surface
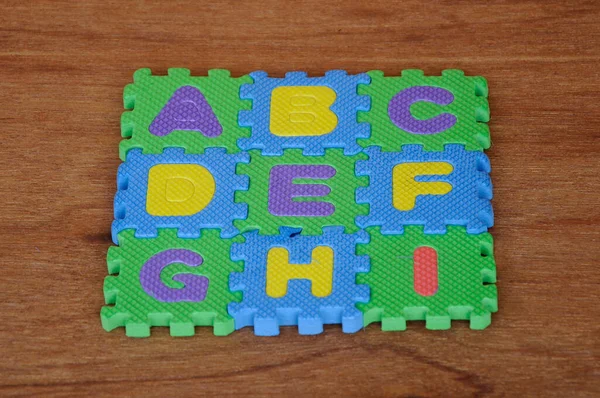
(467, 203)
(134, 292)
(338, 192)
(429, 110)
(266, 202)
(346, 106)
(299, 306)
(131, 199)
(466, 271)
(194, 121)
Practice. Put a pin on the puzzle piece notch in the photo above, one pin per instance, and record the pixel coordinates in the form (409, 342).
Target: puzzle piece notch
(480, 82)
(469, 105)
(466, 272)
(298, 306)
(345, 107)
(130, 203)
(467, 203)
(148, 95)
(129, 305)
(342, 185)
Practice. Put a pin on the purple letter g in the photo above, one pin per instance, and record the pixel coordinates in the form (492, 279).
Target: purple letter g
(195, 287)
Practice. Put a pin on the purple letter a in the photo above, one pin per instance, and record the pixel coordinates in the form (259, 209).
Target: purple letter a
(187, 110)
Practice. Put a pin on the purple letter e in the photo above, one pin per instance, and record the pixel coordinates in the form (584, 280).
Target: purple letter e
(282, 190)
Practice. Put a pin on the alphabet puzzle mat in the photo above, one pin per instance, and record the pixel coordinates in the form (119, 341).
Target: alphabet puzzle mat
(265, 202)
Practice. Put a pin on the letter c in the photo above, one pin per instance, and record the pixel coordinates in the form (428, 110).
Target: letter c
(400, 115)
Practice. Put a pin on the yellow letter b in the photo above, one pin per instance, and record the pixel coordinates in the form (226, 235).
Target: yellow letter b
(302, 111)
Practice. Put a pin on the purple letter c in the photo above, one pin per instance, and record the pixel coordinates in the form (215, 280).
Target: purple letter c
(399, 110)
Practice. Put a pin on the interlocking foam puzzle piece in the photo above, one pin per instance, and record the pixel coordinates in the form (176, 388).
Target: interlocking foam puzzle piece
(275, 124)
(180, 110)
(319, 201)
(302, 202)
(132, 203)
(465, 271)
(168, 281)
(467, 203)
(299, 306)
(429, 110)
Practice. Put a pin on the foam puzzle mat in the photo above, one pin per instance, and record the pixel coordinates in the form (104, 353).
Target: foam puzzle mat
(263, 202)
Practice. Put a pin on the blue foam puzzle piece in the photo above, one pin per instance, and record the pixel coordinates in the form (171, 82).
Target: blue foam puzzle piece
(467, 204)
(346, 106)
(299, 306)
(132, 184)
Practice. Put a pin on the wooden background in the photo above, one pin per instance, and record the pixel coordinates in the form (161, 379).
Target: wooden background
(63, 66)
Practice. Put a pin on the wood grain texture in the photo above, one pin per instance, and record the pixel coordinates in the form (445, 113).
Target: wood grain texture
(63, 66)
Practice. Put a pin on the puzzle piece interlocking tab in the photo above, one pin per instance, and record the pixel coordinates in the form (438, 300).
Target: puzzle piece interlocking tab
(175, 190)
(435, 278)
(292, 279)
(271, 201)
(169, 281)
(434, 189)
(432, 111)
(307, 192)
(311, 113)
(180, 110)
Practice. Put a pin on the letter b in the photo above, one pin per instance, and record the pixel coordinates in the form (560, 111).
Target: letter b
(302, 111)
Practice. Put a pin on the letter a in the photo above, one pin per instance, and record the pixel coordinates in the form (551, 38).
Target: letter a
(187, 110)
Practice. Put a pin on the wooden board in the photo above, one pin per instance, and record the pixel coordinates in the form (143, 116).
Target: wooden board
(63, 66)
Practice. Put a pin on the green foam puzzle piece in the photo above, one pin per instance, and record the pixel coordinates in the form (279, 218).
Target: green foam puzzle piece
(343, 189)
(149, 94)
(466, 271)
(137, 311)
(470, 106)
